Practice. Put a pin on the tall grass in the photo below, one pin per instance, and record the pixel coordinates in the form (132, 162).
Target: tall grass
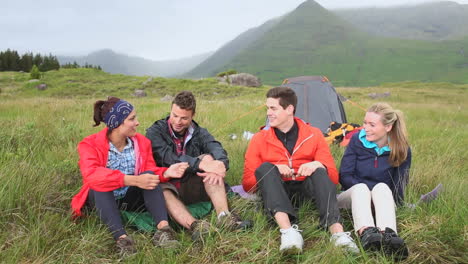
(39, 175)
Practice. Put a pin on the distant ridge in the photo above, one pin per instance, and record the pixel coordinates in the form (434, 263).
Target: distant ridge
(113, 62)
(314, 41)
(429, 21)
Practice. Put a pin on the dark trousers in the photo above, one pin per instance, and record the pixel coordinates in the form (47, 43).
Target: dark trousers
(135, 199)
(277, 194)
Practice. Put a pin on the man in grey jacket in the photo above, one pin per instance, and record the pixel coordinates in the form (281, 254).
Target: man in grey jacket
(177, 138)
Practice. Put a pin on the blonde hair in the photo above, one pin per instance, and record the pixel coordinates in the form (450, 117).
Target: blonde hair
(398, 135)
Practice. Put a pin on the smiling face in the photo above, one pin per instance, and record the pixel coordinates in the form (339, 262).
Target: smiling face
(278, 117)
(180, 119)
(376, 131)
(128, 127)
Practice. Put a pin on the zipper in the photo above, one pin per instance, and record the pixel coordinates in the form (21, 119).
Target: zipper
(294, 151)
(375, 162)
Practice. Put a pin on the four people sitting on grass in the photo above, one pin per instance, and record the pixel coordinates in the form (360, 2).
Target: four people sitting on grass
(374, 173)
(285, 163)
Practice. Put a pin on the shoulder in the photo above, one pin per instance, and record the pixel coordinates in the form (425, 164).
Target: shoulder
(200, 130)
(95, 139)
(158, 125)
(261, 136)
(355, 139)
(141, 138)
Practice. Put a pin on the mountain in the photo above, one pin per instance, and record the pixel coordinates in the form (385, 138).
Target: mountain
(113, 62)
(430, 21)
(314, 41)
(227, 52)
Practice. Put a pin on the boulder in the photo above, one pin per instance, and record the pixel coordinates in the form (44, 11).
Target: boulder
(379, 95)
(41, 87)
(140, 93)
(244, 79)
(167, 98)
(150, 79)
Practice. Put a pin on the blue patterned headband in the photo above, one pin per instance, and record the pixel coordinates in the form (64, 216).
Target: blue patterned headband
(117, 114)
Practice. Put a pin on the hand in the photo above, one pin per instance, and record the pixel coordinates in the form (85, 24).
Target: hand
(176, 170)
(211, 178)
(147, 181)
(309, 168)
(207, 164)
(285, 171)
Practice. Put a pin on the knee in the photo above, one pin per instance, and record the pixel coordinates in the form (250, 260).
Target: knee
(381, 188)
(264, 169)
(168, 194)
(359, 190)
(320, 175)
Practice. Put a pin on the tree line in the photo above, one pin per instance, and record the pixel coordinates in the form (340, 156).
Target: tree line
(10, 60)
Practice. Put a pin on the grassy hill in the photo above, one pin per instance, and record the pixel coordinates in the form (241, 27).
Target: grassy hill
(79, 83)
(314, 41)
(39, 171)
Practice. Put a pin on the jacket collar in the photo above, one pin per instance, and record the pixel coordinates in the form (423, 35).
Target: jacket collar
(372, 145)
(302, 135)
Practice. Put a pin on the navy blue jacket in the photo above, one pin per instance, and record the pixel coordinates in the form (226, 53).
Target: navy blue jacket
(362, 165)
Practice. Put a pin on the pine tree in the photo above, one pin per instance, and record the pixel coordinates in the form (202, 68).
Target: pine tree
(35, 73)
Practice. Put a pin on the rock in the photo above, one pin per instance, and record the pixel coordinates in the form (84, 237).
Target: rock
(41, 87)
(148, 80)
(167, 98)
(244, 79)
(222, 80)
(140, 93)
(379, 95)
(33, 80)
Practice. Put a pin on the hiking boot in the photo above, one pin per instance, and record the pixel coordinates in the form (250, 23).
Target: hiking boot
(371, 239)
(165, 238)
(232, 222)
(200, 228)
(291, 240)
(125, 246)
(344, 240)
(394, 245)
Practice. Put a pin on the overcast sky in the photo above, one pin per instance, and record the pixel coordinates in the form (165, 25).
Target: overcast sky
(153, 29)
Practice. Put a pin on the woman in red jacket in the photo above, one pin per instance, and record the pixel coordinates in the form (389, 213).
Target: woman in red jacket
(119, 173)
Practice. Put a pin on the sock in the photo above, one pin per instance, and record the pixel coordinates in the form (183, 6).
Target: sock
(223, 213)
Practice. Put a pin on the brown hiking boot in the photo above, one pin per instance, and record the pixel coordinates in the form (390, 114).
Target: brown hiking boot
(232, 222)
(125, 246)
(200, 228)
(165, 238)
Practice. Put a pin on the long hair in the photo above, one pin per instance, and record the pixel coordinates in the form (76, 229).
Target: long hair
(398, 135)
(101, 108)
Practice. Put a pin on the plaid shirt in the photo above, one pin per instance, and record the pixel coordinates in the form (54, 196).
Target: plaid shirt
(123, 161)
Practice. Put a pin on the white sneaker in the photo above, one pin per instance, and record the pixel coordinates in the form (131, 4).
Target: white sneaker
(343, 239)
(291, 240)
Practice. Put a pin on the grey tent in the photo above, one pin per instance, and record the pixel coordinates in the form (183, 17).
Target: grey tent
(318, 102)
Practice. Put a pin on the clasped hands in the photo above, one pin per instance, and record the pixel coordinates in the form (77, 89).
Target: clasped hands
(214, 171)
(305, 169)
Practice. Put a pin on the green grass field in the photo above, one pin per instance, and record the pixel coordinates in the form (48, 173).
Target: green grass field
(39, 172)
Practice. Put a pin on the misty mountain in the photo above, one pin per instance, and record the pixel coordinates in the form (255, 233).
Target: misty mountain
(113, 62)
(314, 41)
(227, 52)
(431, 21)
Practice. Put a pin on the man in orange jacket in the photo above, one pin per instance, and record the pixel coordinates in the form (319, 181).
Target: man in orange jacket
(291, 158)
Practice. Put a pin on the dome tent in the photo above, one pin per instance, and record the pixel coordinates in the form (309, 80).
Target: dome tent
(318, 103)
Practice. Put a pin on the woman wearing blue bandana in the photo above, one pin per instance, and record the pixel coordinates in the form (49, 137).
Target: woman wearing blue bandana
(373, 173)
(119, 173)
